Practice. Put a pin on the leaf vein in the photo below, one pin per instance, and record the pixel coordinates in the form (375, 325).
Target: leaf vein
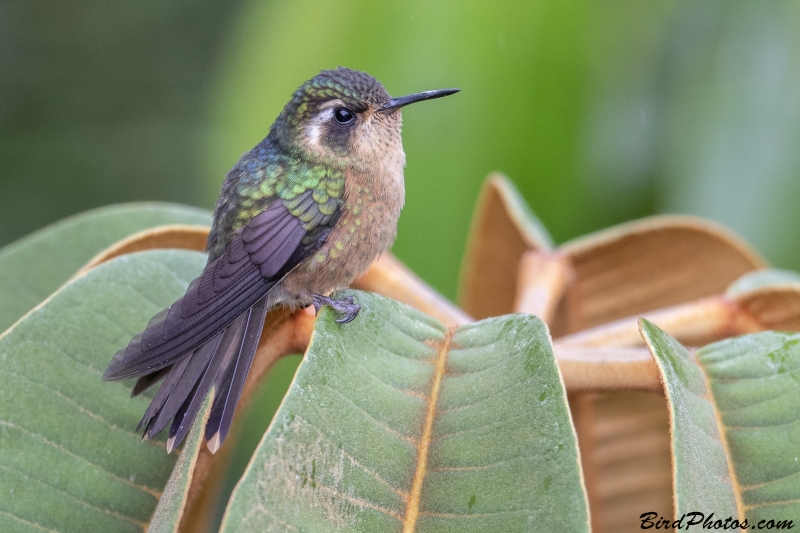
(478, 428)
(371, 417)
(357, 463)
(476, 467)
(27, 523)
(134, 521)
(150, 490)
(484, 399)
(60, 395)
(359, 502)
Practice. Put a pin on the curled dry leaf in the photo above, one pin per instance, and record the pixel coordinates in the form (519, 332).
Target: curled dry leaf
(761, 300)
(391, 278)
(542, 279)
(635, 268)
(503, 229)
(770, 299)
(649, 264)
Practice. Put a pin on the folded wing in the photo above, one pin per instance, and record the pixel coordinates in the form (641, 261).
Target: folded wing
(210, 335)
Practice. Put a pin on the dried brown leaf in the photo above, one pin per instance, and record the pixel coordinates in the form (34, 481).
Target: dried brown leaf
(391, 278)
(543, 279)
(181, 236)
(503, 229)
(625, 452)
(647, 265)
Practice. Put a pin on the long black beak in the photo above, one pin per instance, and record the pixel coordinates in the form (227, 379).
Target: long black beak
(397, 103)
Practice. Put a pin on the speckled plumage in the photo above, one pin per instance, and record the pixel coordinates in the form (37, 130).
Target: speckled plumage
(299, 216)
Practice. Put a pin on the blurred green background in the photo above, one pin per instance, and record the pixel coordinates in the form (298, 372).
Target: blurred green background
(599, 111)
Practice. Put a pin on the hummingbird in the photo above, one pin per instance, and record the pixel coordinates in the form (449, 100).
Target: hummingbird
(299, 216)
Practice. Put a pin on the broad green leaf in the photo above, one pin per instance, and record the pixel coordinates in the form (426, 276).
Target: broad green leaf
(170, 507)
(35, 266)
(394, 423)
(701, 465)
(734, 406)
(69, 458)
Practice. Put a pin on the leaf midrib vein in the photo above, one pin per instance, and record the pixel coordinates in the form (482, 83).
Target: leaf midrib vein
(412, 510)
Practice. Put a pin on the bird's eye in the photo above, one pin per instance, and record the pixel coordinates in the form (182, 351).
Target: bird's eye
(343, 115)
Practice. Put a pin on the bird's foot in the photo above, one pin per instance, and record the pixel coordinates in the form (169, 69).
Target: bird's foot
(346, 306)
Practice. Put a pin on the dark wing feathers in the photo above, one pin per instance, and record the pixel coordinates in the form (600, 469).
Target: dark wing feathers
(210, 335)
(288, 232)
(271, 264)
(192, 319)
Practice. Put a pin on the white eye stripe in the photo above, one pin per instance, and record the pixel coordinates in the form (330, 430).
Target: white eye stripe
(313, 132)
(314, 129)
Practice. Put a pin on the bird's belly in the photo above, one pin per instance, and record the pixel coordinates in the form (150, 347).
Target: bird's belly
(358, 238)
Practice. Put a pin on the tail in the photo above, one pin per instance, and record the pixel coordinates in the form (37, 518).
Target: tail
(223, 361)
(208, 336)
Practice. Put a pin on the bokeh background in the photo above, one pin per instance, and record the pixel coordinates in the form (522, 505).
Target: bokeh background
(599, 111)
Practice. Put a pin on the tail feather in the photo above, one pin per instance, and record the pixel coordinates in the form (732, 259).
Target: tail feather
(222, 358)
(209, 336)
(231, 380)
(174, 392)
(226, 357)
(224, 362)
(145, 382)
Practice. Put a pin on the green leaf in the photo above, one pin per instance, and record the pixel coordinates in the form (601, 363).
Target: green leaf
(35, 266)
(734, 406)
(394, 423)
(170, 507)
(69, 458)
(701, 465)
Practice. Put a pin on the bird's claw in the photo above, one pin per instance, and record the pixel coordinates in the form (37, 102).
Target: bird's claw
(346, 306)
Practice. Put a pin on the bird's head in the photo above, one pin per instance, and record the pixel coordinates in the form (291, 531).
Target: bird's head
(345, 117)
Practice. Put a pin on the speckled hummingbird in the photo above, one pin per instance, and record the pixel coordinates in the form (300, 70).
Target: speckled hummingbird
(300, 215)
